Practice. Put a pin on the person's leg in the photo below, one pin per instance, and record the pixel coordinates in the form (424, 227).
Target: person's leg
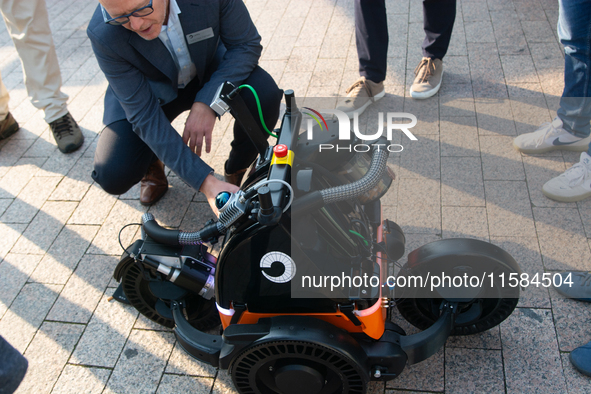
(4, 97)
(13, 367)
(438, 22)
(371, 38)
(243, 150)
(121, 159)
(28, 25)
(574, 31)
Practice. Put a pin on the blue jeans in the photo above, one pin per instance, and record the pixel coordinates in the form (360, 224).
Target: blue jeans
(574, 31)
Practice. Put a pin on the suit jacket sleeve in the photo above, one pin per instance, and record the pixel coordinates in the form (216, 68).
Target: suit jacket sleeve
(243, 48)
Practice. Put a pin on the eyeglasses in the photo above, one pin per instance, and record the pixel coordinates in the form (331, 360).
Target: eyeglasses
(123, 19)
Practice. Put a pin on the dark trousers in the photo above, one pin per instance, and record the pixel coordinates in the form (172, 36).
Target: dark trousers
(122, 158)
(371, 33)
(13, 367)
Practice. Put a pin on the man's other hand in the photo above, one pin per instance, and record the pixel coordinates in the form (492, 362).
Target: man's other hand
(212, 186)
(199, 125)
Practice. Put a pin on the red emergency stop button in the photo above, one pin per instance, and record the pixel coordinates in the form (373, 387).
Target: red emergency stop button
(280, 150)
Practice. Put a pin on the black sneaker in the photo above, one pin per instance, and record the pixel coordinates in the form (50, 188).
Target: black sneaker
(67, 134)
(8, 126)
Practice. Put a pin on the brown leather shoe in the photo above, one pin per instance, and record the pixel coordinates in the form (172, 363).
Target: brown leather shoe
(8, 126)
(154, 184)
(235, 178)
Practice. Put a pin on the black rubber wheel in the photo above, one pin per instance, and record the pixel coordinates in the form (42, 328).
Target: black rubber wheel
(480, 307)
(201, 313)
(423, 312)
(295, 367)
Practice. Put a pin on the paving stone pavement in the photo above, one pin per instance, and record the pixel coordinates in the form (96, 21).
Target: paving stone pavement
(462, 178)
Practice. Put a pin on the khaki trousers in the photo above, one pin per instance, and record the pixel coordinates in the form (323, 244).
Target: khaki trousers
(28, 25)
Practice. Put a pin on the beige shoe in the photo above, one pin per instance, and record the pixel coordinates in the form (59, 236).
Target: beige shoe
(361, 95)
(428, 76)
(8, 126)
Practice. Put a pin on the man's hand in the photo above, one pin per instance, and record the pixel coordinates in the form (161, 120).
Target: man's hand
(212, 186)
(199, 125)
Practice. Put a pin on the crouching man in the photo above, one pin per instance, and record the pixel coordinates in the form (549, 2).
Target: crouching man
(161, 58)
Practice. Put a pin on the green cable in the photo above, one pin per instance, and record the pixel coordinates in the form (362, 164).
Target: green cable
(259, 107)
(360, 236)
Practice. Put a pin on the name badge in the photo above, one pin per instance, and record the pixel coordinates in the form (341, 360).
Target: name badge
(199, 35)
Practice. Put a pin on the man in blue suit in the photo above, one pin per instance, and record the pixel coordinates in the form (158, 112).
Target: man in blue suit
(163, 57)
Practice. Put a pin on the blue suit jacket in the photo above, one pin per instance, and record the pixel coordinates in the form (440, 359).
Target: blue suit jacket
(142, 75)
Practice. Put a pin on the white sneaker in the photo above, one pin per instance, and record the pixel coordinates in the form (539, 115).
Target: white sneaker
(550, 136)
(573, 185)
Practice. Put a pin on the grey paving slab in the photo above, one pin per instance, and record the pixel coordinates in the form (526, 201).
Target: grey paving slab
(10, 233)
(64, 254)
(419, 206)
(47, 355)
(29, 200)
(571, 321)
(562, 239)
(424, 376)
(500, 161)
(531, 358)
(576, 382)
(171, 384)
(26, 313)
(142, 362)
(461, 182)
(84, 289)
(464, 222)
(490, 339)
(494, 116)
(459, 137)
(94, 207)
(105, 335)
(14, 272)
(420, 159)
(486, 364)
(508, 208)
(180, 363)
(539, 170)
(79, 379)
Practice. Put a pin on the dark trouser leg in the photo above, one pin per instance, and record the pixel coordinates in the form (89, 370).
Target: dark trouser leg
(243, 150)
(438, 23)
(13, 367)
(371, 37)
(121, 159)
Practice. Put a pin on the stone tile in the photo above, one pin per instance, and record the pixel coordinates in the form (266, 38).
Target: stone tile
(14, 272)
(107, 238)
(562, 239)
(490, 339)
(526, 253)
(84, 289)
(197, 215)
(181, 363)
(576, 382)
(4, 203)
(77, 182)
(456, 100)
(461, 182)
(494, 117)
(142, 362)
(474, 11)
(47, 355)
(20, 323)
(509, 209)
(419, 209)
(105, 334)
(171, 384)
(500, 161)
(486, 365)
(529, 10)
(424, 376)
(44, 228)
(94, 207)
(169, 211)
(78, 379)
(585, 213)
(464, 222)
(324, 72)
(538, 31)
(10, 233)
(539, 170)
(64, 254)
(571, 321)
(509, 35)
(420, 158)
(459, 137)
(519, 69)
(547, 55)
(480, 31)
(223, 384)
(30, 200)
(530, 353)
(530, 113)
(552, 81)
(302, 59)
